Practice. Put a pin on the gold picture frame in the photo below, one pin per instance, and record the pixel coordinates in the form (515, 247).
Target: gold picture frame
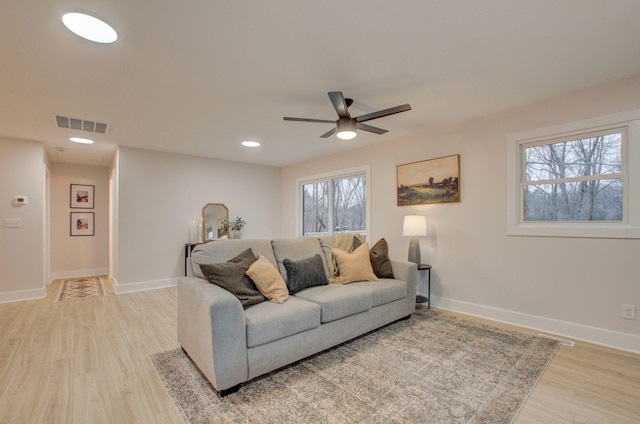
(429, 181)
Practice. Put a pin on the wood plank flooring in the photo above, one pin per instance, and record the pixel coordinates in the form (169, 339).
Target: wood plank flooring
(87, 361)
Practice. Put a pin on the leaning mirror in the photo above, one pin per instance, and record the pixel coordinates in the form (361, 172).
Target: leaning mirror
(215, 220)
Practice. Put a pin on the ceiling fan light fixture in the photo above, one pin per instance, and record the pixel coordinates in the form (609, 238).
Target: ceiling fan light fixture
(346, 125)
(347, 129)
(89, 27)
(347, 135)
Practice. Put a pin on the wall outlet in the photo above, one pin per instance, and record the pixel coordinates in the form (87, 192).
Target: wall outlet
(629, 311)
(20, 200)
(12, 223)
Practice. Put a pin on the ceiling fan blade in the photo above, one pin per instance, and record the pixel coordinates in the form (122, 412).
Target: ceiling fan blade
(329, 133)
(381, 113)
(326, 121)
(339, 104)
(369, 128)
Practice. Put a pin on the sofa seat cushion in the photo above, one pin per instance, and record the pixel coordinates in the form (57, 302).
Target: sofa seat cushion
(383, 291)
(337, 301)
(269, 321)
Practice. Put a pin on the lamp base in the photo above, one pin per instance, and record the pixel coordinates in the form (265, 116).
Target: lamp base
(414, 251)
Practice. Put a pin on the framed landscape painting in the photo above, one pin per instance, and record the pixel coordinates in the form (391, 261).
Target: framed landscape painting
(82, 196)
(429, 181)
(82, 223)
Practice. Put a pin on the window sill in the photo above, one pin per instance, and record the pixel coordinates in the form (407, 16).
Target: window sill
(612, 231)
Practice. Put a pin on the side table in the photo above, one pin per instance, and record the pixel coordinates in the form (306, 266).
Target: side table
(422, 299)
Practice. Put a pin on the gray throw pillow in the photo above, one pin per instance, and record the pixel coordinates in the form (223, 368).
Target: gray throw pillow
(380, 262)
(231, 276)
(305, 273)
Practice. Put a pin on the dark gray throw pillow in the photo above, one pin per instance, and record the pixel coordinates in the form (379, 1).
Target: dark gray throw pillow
(380, 262)
(356, 243)
(305, 273)
(231, 276)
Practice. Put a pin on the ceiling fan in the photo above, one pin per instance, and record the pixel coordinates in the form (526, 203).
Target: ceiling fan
(346, 125)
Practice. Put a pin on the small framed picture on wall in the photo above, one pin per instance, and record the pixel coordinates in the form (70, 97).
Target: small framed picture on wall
(82, 196)
(82, 223)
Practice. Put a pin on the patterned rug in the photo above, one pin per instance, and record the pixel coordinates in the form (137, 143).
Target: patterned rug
(432, 368)
(80, 288)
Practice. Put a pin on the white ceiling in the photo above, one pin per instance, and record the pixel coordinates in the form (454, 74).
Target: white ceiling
(199, 76)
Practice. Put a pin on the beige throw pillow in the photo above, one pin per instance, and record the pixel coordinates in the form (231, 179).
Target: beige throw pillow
(354, 266)
(268, 280)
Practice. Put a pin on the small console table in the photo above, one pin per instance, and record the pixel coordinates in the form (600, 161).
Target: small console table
(422, 299)
(188, 247)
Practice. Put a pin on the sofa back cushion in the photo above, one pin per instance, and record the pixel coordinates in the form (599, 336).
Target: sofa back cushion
(326, 243)
(295, 249)
(223, 250)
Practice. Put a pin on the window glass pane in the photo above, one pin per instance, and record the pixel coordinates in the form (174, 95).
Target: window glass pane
(315, 207)
(592, 200)
(349, 204)
(597, 155)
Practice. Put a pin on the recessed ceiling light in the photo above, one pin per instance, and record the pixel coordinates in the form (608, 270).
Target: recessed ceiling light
(89, 27)
(81, 140)
(251, 144)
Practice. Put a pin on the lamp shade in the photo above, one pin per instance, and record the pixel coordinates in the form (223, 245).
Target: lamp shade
(414, 226)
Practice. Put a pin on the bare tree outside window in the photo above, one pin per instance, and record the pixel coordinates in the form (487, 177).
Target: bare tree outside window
(349, 204)
(574, 181)
(334, 205)
(315, 207)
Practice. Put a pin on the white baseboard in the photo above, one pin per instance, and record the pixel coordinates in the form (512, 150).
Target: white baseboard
(17, 296)
(76, 273)
(145, 285)
(568, 330)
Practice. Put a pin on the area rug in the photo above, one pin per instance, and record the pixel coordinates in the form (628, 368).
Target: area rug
(80, 288)
(432, 368)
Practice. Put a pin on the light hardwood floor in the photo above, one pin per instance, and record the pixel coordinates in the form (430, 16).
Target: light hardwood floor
(87, 361)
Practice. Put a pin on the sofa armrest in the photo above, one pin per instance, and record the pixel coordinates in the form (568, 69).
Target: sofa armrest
(212, 330)
(407, 272)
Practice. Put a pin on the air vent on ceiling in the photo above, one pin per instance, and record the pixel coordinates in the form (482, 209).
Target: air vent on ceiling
(80, 124)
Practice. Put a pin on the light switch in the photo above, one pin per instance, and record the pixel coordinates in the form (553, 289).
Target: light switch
(12, 223)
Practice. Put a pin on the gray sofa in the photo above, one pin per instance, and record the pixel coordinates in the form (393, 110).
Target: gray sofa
(232, 345)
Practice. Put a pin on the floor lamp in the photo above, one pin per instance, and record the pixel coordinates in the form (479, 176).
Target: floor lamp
(414, 226)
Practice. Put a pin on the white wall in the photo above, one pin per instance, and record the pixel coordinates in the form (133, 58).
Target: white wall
(114, 173)
(21, 249)
(159, 196)
(573, 287)
(80, 255)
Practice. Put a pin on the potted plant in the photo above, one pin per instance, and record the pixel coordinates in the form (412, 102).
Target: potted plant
(236, 225)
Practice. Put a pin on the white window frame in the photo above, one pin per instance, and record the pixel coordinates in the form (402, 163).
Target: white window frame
(328, 176)
(629, 227)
